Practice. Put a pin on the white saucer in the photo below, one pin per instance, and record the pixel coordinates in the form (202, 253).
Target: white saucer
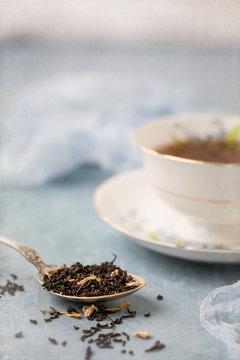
(127, 203)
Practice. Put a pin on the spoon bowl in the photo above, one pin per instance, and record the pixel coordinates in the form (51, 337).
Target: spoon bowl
(33, 257)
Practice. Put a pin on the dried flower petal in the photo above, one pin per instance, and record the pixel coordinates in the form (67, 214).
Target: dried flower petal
(115, 272)
(88, 310)
(88, 278)
(142, 334)
(45, 311)
(73, 314)
(118, 308)
(134, 283)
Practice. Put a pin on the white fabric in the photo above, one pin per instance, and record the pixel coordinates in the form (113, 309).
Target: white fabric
(72, 119)
(220, 316)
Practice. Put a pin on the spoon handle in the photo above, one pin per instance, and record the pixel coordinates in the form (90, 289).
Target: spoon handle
(29, 254)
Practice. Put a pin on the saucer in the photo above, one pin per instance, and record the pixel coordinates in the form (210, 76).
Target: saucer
(129, 204)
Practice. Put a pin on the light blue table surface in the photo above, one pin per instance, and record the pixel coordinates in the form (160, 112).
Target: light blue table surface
(59, 221)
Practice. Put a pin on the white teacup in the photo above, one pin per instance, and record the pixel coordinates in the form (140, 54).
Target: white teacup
(206, 193)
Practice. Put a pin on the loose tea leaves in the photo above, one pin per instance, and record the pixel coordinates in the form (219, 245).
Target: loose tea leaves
(147, 314)
(33, 321)
(10, 288)
(19, 335)
(56, 313)
(159, 297)
(53, 317)
(14, 276)
(110, 339)
(157, 346)
(130, 314)
(53, 341)
(71, 310)
(97, 334)
(127, 336)
(88, 333)
(88, 353)
(90, 280)
(105, 341)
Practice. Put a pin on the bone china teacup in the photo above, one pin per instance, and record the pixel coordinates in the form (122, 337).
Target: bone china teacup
(207, 194)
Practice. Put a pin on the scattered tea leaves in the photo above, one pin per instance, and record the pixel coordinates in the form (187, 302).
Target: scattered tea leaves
(19, 335)
(55, 312)
(10, 288)
(88, 353)
(53, 341)
(117, 340)
(71, 310)
(127, 336)
(88, 333)
(96, 281)
(14, 276)
(53, 317)
(104, 340)
(130, 314)
(157, 346)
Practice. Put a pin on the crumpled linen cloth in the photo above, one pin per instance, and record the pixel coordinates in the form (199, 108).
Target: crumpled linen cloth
(220, 316)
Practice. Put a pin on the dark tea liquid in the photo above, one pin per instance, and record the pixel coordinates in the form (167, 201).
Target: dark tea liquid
(205, 150)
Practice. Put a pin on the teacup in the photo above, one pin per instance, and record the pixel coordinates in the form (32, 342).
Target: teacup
(206, 193)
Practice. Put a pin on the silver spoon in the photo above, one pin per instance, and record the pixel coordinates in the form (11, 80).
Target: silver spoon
(33, 257)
